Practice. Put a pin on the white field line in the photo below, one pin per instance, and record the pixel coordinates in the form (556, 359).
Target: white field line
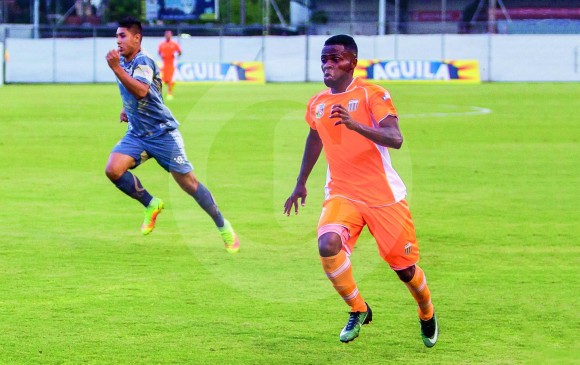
(474, 110)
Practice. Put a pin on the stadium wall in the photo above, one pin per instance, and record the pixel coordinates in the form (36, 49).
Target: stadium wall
(1, 64)
(297, 58)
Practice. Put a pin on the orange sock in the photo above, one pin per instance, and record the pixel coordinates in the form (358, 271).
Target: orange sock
(420, 291)
(339, 270)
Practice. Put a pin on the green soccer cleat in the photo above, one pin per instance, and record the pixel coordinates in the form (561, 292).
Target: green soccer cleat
(429, 331)
(231, 241)
(150, 216)
(355, 322)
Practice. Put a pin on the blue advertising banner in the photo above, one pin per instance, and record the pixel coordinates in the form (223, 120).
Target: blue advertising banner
(412, 70)
(249, 72)
(181, 9)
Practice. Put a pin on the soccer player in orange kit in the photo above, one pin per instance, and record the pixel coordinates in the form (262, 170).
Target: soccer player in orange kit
(355, 122)
(167, 50)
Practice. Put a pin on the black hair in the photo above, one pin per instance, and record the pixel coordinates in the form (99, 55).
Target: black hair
(343, 40)
(132, 24)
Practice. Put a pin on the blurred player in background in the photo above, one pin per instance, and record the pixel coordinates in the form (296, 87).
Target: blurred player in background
(167, 50)
(355, 122)
(151, 132)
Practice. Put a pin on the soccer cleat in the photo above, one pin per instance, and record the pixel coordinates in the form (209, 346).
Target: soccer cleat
(150, 216)
(169, 97)
(230, 237)
(429, 331)
(355, 322)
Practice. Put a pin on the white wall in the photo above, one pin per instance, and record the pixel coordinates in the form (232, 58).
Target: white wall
(501, 57)
(1, 63)
(554, 58)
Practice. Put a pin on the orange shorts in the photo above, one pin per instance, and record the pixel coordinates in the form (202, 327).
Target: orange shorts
(391, 226)
(167, 74)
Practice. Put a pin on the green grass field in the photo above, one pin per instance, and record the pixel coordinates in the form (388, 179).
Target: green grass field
(493, 184)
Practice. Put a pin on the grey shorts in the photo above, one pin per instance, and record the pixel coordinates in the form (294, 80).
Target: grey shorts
(167, 149)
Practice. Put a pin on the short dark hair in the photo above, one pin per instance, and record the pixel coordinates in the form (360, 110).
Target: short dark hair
(343, 40)
(132, 24)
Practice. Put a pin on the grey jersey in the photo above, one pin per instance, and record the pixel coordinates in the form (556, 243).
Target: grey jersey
(148, 117)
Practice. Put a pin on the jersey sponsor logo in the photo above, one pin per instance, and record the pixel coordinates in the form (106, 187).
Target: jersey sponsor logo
(320, 110)
(352, 105)
(408, 248)
(387, 96)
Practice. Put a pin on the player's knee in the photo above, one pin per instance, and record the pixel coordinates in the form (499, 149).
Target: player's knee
(329, 244)
(407, 274)
(331, 238)
(187, 181)
(113, 173)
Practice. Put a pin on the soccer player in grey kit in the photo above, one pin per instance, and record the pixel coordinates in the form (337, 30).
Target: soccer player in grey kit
(151, 132)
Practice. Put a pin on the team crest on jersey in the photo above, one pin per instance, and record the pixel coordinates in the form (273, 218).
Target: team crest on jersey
(179, 159)
(320, 110)
(352, 105)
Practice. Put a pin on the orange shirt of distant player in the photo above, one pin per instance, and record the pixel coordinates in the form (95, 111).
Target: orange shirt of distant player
(167, 50)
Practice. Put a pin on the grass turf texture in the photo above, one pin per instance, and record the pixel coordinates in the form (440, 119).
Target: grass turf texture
(494, 197)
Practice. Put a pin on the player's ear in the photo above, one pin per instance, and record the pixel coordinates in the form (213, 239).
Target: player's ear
(353, 61)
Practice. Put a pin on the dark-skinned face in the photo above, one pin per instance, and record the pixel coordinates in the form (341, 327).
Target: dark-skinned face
(337, 66)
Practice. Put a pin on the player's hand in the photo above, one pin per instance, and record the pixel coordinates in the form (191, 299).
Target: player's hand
(123, 116)
(298, 193)
(113, 58)
(338, 111)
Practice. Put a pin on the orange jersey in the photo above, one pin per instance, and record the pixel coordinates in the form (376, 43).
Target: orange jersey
(358, 169)
(167, 51)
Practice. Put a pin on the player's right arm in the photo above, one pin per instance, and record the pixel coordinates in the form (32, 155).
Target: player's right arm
(137, 88)
(312, 151)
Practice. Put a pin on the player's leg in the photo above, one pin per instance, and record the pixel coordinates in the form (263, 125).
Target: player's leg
(168, 149)
(189, 183)
(394, 231)
(168, 75)
(116, 170)
(338, 229)
(128, 154)
(170, 153)
(416, 281)
(164, 76)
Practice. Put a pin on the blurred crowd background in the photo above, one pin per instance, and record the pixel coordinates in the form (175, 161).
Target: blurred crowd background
(86, 18)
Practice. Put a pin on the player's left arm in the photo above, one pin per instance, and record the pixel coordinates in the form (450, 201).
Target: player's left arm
(138, 89)
(387, 133)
